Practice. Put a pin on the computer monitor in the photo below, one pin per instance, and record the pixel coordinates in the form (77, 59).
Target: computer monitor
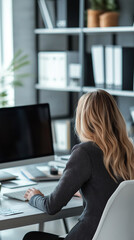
(25, 135)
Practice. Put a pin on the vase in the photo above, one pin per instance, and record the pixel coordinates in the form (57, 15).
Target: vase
(93, 18)
(109, 19)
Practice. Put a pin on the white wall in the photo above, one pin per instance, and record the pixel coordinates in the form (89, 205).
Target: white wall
(24, 38)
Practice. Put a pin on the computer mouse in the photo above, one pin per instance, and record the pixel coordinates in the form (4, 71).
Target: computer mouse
(53, 170)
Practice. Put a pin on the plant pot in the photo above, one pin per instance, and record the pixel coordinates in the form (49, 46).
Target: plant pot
(93, 18)
(109, 19)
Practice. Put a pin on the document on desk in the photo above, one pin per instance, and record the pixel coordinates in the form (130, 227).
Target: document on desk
(8, 211)
(17, 183)
(39, 173)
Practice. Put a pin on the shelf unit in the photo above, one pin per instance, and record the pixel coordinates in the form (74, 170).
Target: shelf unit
(76, 31)
(67, 89)
(82, 33)
(86, 89)
(85, 31)
(67, 31)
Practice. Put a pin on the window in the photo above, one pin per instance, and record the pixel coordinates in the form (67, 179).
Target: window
(6, 47)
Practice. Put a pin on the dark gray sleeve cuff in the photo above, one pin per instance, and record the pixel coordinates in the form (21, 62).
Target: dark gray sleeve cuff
(39, 202)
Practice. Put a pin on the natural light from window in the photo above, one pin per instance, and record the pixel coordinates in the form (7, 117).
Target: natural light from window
(6, 47)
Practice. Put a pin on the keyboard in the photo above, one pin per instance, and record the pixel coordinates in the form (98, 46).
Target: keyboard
(46, 190)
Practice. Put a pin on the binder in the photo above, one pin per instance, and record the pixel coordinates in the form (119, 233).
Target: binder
(98, 65)
(45, 14)
(115, 69)
(123, 67)
(52, 69)
(109, 66)
(64, 136)
(67, 13)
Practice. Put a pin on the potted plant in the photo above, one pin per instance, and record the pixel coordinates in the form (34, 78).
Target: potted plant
(111, 15)
(102, 13)
(12, 75)
(96, 8)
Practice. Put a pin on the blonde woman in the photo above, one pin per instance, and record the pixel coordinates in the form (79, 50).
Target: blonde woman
(103, 159)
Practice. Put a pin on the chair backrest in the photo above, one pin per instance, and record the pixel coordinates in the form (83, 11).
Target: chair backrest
(117, 221)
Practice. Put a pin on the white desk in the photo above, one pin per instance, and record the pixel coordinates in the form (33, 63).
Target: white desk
(32, 215)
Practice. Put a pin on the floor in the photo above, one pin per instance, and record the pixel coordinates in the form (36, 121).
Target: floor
(55, 227)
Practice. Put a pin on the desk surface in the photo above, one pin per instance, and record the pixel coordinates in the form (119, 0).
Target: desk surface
(32, 215)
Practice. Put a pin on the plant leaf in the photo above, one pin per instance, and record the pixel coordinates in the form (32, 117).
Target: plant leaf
(4, 103)
(3, 94)
(17, 83)
(20, 65)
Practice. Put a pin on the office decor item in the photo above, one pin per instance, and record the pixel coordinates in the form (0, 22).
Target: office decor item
(109, 19)
(102, 13)
(12, 75)
(46, 14)
(93, 19)
(111, 16)
(96, 8)
(67, 13)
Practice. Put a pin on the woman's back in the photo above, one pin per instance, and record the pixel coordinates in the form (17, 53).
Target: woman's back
(95, 191)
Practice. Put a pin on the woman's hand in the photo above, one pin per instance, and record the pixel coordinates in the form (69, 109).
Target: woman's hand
(31, 192)
(77, 194)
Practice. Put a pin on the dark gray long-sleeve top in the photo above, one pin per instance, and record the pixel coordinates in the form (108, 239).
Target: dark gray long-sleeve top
(85, 170)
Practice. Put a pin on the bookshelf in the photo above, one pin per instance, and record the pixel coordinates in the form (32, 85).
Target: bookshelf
(67, 89)
(85, 30)
(83, 35)
(67, 31)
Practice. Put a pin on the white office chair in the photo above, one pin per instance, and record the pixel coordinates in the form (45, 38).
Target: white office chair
(117, 221)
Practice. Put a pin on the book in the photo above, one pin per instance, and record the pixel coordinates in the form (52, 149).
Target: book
(45, 14)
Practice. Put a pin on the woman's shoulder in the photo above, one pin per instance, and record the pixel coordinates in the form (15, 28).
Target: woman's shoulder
(86, 150)
(87, 146)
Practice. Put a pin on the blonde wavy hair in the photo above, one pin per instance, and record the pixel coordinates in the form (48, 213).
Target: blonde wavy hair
(98, 119)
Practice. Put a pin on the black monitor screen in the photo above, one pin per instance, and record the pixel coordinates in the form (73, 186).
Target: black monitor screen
(25, 132)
